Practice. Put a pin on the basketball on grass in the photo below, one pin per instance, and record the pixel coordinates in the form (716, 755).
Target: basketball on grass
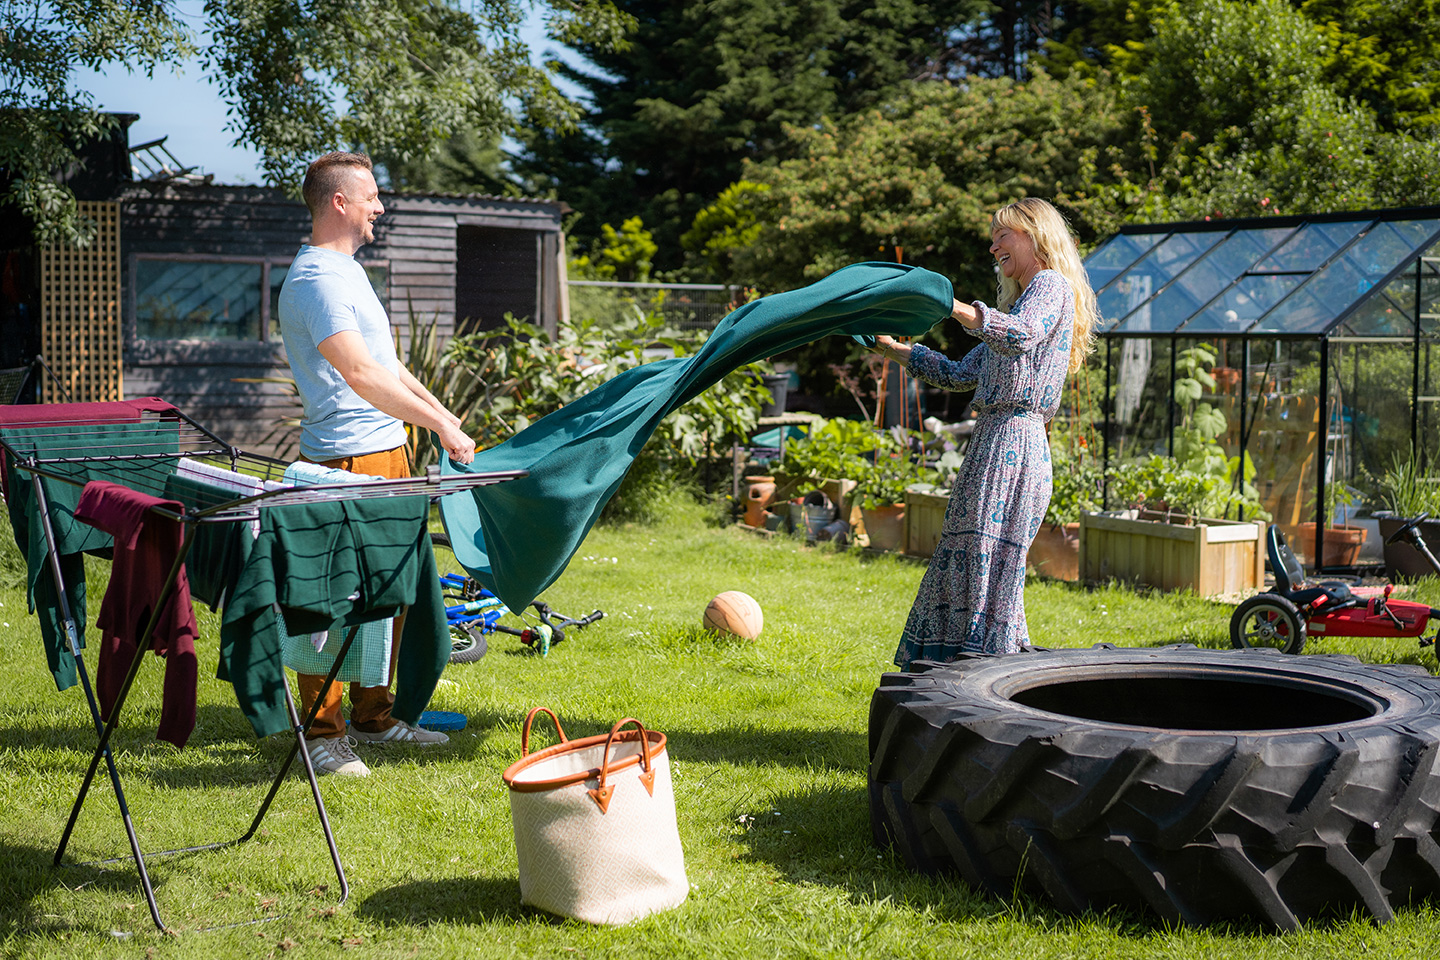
(735, 612)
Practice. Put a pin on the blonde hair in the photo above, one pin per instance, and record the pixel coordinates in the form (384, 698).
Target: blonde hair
(1055, 249)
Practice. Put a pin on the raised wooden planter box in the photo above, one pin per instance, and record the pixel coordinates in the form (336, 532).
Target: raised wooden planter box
(924, 516)
(1212, 557)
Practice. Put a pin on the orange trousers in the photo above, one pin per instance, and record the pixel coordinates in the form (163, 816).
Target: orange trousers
(369, 706)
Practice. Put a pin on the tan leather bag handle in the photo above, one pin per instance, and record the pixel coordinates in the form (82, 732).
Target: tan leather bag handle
(602, 793)
(525, 731)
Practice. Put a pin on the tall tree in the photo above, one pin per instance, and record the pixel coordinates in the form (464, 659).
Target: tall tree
(1234, 98)
(398, 78)
(1386, 54)
(704, 86)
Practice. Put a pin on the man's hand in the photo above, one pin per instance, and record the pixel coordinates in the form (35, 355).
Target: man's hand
(460, 447)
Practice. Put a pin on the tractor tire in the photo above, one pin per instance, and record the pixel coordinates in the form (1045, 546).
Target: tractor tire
(1201, 786)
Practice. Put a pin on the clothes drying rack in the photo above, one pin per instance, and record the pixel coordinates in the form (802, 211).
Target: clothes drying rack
(50, 451)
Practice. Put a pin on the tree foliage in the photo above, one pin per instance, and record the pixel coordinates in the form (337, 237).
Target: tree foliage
(42, 118)
(398, 78)
(1239, 119)
(924, 172)
(703, 87)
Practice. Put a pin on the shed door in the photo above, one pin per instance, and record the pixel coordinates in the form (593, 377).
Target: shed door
(497, 271)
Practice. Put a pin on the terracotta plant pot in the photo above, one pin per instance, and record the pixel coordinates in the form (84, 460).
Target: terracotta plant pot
(1341, 547)
(1227, 379)
(759, 496)
(885, 526)
(1056, 551)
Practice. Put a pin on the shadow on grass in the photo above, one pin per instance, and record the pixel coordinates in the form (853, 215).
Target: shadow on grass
(222, 752)
(28, 872)
(449, 900)
(823, 837)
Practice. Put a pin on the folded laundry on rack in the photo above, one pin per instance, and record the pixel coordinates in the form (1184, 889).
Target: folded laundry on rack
(233, 482)
(146, 546)
(303, 473)
(517, 537)
(368, 660)
(329, 563)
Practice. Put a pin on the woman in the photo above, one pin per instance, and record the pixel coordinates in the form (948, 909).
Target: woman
(972, 598)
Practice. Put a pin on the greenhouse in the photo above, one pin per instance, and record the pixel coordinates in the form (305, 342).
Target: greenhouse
(1318, 343)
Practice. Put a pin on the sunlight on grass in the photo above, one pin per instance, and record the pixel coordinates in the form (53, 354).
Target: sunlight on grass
(768, 748)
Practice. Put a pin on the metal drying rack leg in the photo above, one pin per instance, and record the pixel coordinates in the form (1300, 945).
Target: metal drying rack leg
(107, 729)
(72, 636)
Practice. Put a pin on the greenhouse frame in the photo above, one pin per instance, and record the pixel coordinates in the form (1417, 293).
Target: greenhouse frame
(1324, 329)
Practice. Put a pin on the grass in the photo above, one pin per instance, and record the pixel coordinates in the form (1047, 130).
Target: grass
(768, 750)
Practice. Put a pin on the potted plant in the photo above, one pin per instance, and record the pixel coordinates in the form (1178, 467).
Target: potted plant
(1340, 544)
(1408, 492)
(828, 459)
(1175, 536)
(880, 493)
(1055, 552)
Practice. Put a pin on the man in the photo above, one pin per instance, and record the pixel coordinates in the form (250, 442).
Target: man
(355, 395)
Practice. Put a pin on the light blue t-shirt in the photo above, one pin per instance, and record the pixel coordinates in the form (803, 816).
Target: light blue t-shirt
(324, 293)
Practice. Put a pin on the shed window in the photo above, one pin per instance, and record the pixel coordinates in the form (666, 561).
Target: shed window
(180, 300)
(217, 299)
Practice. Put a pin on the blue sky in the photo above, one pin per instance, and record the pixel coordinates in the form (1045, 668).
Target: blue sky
(186, 109)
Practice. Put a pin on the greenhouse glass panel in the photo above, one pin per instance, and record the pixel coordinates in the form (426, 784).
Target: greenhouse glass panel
(1430, 291)
(1243, 304)
(1130, 292)
(1312, 246)
(1334, 289)
(1389, 312)
(1428, 410)
(1430, 305)
(1121, 251)
(1217, 270)
(1140, 405)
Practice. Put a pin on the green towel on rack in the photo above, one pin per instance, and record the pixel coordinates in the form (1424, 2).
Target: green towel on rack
(74, 537)
(516, 537)
(310, 559)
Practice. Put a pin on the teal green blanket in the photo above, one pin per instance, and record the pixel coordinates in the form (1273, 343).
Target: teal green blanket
(517, 537)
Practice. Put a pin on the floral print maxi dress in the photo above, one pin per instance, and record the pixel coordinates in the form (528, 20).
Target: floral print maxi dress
(972, 597)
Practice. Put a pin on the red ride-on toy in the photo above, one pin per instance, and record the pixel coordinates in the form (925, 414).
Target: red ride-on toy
(1295, 609)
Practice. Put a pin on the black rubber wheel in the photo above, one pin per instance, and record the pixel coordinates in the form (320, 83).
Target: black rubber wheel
(1268, 620)
(466, 646)
(1199, 785)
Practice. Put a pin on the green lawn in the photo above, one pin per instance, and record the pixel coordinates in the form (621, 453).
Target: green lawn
(768, 750)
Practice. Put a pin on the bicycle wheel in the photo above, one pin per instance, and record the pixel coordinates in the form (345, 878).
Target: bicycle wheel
(467, 643)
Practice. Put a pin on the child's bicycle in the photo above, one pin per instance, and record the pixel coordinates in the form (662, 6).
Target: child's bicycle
(474, 612)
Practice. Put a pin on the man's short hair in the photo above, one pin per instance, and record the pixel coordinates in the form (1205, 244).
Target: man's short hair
(327, 174)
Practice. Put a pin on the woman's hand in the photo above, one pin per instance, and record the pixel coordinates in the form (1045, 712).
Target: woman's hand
(968, 316)
(891, 349)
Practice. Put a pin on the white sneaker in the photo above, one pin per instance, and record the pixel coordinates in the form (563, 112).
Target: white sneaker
(401, 732)
(329, 755)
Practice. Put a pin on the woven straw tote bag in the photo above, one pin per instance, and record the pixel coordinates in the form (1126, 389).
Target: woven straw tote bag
(594, 820)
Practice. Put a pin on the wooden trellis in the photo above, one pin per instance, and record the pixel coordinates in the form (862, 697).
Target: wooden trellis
(80, 309)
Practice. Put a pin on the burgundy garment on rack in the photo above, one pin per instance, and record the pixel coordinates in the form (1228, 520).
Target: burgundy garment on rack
(19, 416)
(145, 549)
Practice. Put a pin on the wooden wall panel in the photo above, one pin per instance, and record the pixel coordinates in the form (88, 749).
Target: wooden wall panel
(80, 333)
